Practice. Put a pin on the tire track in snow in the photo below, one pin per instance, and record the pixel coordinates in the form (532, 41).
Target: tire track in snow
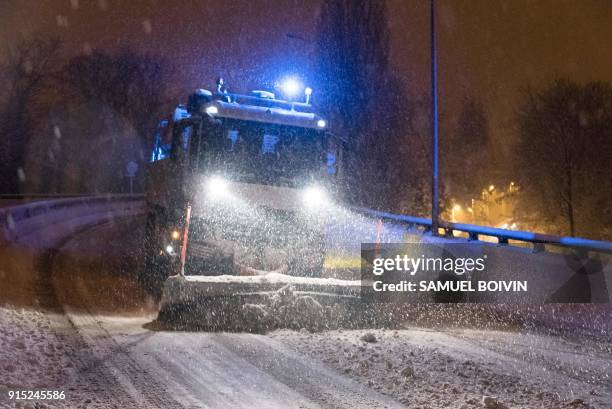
(110, 360)
(318, 383)
(48, 298)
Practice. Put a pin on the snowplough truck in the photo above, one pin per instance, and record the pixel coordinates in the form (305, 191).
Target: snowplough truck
(237, 193)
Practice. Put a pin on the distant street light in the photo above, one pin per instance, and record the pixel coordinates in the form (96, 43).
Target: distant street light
(456, 208)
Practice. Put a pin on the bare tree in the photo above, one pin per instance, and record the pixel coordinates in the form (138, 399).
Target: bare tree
(24, 76)
(466, 153)
(131, 84)
(364, 99)
(564, 154)
(99, 117)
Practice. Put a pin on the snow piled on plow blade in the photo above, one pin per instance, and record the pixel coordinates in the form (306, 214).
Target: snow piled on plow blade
(262, 303)
(177, 288)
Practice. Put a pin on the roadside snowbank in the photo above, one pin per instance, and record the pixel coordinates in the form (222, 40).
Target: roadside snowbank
(32, 357)
(40, 351)
(465, 368)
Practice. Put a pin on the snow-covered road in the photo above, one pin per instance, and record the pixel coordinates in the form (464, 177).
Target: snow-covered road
(100, 348)
(116, 361)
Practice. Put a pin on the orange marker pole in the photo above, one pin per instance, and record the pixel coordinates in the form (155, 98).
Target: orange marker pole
(379, 229)
(185, 236)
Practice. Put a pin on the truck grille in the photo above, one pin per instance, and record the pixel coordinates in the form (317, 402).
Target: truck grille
(200, 250)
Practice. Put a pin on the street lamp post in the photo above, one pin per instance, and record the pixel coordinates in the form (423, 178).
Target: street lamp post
(435, 202)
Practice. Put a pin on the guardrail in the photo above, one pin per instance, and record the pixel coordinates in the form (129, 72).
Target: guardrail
(27, 196)
(503, 236)
(29, 223)
(25, 220)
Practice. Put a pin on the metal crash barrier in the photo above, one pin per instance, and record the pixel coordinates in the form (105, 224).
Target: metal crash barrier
(502, 236)
(29, 224)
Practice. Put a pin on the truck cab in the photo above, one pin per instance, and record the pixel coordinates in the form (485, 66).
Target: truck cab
(239, 185)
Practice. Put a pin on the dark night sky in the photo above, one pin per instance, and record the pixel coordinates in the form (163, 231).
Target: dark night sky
(488, 48)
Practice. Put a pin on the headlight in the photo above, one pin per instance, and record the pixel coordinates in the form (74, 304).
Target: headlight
(321, 123)
(217, 188)
(315, 197)
(212, 110)
(175, 234)
(169, 249)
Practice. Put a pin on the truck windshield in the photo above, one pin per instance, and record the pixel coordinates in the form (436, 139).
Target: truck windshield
(263, 153)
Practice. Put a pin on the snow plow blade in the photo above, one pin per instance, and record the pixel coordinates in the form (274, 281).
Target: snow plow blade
(260, 303)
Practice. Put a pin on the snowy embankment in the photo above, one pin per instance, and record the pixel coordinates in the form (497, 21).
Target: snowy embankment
(40, 350)
(425, 368)
(27, 341)
(37, 355)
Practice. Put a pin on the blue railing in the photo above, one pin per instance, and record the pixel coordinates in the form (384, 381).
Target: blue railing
(503, 236)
